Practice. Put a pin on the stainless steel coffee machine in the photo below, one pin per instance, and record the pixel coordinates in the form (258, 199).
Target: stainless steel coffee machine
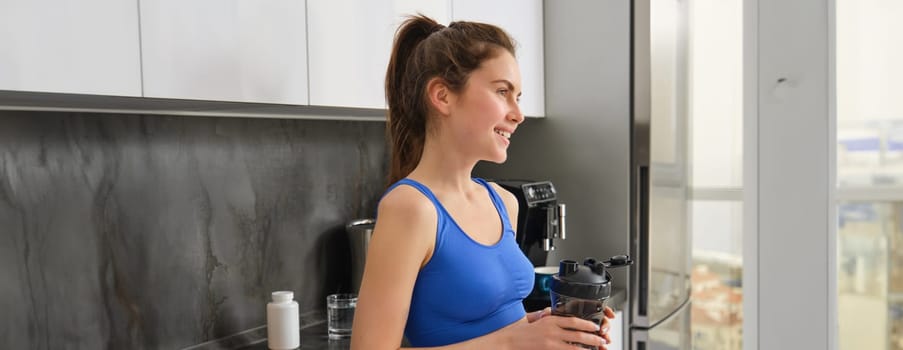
(540, 221)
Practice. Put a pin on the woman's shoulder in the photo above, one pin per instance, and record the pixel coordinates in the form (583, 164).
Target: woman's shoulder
(405, 213)
(506, 195)
(406, 201)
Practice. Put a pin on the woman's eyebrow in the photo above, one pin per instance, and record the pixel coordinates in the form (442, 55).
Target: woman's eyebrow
(510, 85)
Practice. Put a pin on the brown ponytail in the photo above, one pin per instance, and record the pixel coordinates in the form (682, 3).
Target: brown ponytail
(425, 49)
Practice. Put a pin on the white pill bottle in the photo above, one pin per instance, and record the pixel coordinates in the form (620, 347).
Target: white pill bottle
(283, 332)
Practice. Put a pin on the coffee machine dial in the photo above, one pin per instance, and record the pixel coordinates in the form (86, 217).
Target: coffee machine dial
(539, 192)
(542, 196)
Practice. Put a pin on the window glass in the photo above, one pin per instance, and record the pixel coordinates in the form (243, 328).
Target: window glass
(869, 174)
(716, 169)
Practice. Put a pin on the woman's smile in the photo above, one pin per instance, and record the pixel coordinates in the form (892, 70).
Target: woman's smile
(504, 135)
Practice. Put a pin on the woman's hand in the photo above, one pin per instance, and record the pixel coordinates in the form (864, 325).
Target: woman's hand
(603, 331)
(606, 325)
(536, 315)
(544, 331)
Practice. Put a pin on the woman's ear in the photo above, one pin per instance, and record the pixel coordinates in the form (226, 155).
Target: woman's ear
(440, 95)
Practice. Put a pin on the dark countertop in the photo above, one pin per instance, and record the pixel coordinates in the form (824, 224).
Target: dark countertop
(312, 338)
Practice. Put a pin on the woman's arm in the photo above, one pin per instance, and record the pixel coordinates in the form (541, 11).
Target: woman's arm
(402, 242)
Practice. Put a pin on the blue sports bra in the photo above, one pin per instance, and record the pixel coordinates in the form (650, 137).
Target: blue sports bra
(467, 289)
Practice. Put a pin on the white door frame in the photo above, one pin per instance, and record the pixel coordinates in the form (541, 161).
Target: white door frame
(789, 274)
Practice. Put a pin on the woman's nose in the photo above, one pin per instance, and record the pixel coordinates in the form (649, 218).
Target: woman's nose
(516, 115)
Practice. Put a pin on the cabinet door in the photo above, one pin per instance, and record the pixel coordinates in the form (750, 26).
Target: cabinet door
(225, 50)
(350, 42)
(84, 47)
(522, 19)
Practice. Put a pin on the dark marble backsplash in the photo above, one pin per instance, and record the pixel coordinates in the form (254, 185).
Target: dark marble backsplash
(159, 232)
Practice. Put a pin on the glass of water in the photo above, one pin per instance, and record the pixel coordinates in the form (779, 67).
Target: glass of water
(340, 314)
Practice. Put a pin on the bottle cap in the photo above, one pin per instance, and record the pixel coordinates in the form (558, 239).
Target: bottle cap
(590, 280)
(283, 296)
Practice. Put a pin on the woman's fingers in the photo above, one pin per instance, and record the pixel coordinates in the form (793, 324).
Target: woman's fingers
(577, 324)
(577, 330)
(545, 312)
(606, 326)
(584, 338)
(536, 315)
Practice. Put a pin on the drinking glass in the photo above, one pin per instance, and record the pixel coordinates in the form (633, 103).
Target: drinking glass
(340, 314)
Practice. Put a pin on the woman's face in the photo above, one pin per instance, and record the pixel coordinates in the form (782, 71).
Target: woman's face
(486, 113)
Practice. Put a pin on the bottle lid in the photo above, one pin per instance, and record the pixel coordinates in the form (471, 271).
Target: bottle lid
(283, 296)
(589, 280)
(582, 281)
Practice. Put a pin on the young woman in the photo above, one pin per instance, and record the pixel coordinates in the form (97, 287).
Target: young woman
(443, 268)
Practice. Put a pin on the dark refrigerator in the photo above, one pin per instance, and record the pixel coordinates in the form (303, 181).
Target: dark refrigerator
(659, 289)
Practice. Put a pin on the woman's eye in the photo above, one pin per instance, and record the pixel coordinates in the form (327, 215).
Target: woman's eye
(503, 92)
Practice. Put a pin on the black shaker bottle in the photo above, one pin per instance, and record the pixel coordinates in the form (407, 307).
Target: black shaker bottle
(581, 290)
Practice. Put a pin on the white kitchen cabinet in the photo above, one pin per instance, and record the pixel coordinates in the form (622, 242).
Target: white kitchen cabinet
(523, 20)
(349, 46)
(225, 50)
(83, 47)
